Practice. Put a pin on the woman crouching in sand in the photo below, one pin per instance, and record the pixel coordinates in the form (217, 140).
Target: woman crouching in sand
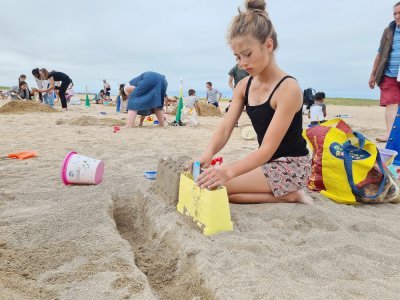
(146, 92)
(279, 169)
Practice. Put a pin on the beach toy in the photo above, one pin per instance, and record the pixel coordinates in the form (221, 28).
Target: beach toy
(209, 209)
(75, 101)
(155, 122)
(21, 155)
(79, 169)
(217, 161)
(150, 174)
(196, 170)
(387, 156)
(106, 102)
(149, 119)
(395, 170)
(116, 129)
(248, 133)
(118, 104)
(393, 142)
(343, 116)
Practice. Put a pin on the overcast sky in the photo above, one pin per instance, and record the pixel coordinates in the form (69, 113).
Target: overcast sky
(327, 45)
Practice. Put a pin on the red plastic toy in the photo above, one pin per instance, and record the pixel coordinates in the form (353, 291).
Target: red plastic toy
(218, 160)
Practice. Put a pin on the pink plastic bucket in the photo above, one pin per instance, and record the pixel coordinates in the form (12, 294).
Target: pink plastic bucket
(79, 169)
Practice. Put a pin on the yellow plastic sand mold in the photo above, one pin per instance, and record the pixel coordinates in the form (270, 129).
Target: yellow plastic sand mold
(209, 209)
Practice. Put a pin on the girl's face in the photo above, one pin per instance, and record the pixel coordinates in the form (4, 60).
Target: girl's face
(251, 55)
(42, 75)
(23, 87)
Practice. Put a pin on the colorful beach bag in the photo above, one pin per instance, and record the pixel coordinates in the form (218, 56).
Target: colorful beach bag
(209, 209)
(347, 168)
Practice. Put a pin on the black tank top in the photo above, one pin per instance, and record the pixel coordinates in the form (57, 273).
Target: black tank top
(293, 143)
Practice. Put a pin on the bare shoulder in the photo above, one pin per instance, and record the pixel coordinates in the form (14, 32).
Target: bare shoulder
(289, 93)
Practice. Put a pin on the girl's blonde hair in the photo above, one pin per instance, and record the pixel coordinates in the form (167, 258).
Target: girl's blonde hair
(254, 21)
(46, 73)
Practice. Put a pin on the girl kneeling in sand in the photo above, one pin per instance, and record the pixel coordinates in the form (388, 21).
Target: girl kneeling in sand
(146, 92)
(279, 169)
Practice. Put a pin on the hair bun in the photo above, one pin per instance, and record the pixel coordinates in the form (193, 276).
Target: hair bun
(255, 4)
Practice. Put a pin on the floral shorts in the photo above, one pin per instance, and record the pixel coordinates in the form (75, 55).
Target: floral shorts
(287, 174)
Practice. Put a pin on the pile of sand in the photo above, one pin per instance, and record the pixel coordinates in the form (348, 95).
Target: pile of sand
(92, 121)
(208, 110)
(22, 107)
(205, 110)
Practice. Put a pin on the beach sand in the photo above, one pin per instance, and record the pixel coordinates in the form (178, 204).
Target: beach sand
(123, 238)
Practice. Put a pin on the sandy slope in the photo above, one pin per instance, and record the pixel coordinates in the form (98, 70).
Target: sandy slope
(123, 238)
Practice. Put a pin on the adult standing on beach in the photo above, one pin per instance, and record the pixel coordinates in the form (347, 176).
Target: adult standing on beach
(279, 169)
(146, 92)
(56, 76)
(107, 88)
(235, 75)
(385, 72)
(211, 95)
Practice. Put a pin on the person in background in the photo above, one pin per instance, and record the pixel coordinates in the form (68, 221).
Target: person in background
(317, 111)
(146, 92)
(212, 94)
(46, 97)
(70, 91)
(235, 75)
(35, 73)
(190, 108)
(56, 76)
(107, 88)
(385, 71)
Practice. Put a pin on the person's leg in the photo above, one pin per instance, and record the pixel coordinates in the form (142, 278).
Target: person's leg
(141, 120)
(50, 98)
(131, 118)
(253, 187)
(61, 93)
(160, 116)
(390, 116)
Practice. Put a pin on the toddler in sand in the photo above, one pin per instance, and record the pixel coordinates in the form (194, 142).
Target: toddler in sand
(190, 108)
(279, 169)
(317, 112)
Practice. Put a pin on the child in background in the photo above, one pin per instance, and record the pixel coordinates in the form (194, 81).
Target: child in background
(70, 92)
(23, 91)
(190, 108)
(317, 112)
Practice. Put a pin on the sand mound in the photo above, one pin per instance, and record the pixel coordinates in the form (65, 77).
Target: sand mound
(205, 110)
(208, 110)
(21, 107)
(92, 121)
(168, 177)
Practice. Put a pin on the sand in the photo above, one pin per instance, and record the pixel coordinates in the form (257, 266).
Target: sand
(22, 107)
(123, 238)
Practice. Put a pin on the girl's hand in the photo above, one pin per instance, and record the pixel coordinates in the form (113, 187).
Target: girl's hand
(205, 161)
(213, 177)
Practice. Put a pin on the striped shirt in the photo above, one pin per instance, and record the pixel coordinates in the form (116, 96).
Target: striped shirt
(392, 68)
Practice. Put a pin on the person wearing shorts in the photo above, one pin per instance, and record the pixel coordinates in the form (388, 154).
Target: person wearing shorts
(212, 95)
(385, 72)
(278, 171)
(145, 93)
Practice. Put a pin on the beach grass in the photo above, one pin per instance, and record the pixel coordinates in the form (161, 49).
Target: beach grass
(351, 102)
(334, 101)
(4, 87)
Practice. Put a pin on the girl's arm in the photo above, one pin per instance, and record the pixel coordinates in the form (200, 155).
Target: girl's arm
(290, 102)
(51, 87)
(224, 130)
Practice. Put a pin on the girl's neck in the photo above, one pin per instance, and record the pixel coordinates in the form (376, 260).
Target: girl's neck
(271, 72)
